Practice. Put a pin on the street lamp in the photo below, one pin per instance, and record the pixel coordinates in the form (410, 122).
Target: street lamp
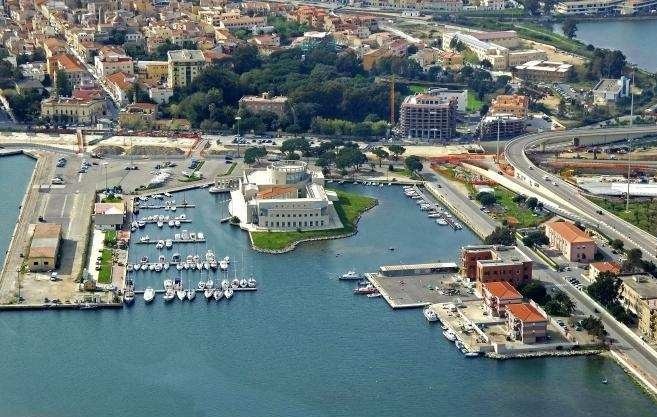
(105, 164)
(238, 118)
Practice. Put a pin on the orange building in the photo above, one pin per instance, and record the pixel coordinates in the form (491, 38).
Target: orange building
(571, 241)
(526, 323)
(515, 105)
(498, 295)
(596, 268)
(489, 263)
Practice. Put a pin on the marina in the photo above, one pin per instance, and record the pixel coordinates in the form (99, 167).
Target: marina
(315, 338)
(434, 211)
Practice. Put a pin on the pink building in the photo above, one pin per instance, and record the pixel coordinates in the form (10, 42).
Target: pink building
(571, 241)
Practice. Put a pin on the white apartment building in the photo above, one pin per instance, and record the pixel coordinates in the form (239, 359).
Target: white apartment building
(184, 66)
(108, 62)
(588, 7)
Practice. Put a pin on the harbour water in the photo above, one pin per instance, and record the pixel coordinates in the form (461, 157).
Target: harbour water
(15, 173)
(633, 37)
(303, 345)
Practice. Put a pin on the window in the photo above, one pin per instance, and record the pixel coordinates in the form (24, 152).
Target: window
(36, 263)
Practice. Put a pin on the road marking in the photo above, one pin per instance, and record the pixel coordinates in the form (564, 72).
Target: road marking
(61, 214)
(71, 217)
(80, 177)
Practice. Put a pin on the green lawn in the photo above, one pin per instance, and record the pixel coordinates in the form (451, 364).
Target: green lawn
(112, 199)
(415, 89)
(523, 215)
(474, 104)
(641, 214)
(230, 170)
(349, 208)
(105, 273)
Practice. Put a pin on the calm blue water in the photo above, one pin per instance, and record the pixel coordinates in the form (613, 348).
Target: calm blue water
(632, 37)
(15, 173)
(302, 346)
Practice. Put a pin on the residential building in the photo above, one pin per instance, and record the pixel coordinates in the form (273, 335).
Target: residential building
(497, 295)
(120, 85)
(72, 110)
(610, 90)
(596, 268)
(284, 196)
(489, 263)
(261, 103)
(109, 216)
(43, 254)
(543, 71)
(571, 241)
(450, 59)
(428, 117)
(152, 71)
(639, 294)
(67, 63)
(504, 125)
(371, 57)
(515, 105)
(526, 323)
(183, 66)
(588, 7)
(160, 94)
(112, 60)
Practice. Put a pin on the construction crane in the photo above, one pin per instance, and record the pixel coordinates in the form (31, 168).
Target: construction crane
(392, 100)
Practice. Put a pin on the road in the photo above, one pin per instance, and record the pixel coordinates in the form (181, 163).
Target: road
(568, 196)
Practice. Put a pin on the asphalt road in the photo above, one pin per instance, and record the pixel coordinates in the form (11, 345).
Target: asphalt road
(569, 197)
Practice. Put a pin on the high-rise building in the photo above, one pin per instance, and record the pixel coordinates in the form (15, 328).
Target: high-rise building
(428, 117)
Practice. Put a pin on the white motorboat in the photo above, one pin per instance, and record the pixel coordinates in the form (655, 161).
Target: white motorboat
(181, 294)
(218, 294)
(228, 293)
(129, 267)
(160, 223)
(200, 236)
(235, 283)
(176, 223)
(191, 294)
(225, 285)
(252, 283)
(374, 295)
(441, 222)
(172, 223)
(159, 244)
(208, 293)
(166, 266)
(350, 275)
(434, 215)
(168, 284)
(183, 216)
(186, 265)
(243, 283)
(199, 266)
(141, 224)
(129, 296)
(223, 265)
(168, 243)
(136, 267)
(227, 259)
(449, 335)
(158, 267)
(169, 295)
(179, 267)
(151, 267)
(209, 284)
(144, 239)
(149, 294)
(173, 208)
(217, 189)
(144, 267)
(201, 285)
(368, 289)
(430, 315)
(206, 265)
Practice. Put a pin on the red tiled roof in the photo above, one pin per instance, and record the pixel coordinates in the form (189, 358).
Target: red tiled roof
(570, 232)
(606, 266)
(525, 312)
(502, 290)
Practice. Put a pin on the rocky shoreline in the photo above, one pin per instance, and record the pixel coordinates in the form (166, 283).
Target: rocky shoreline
(542, 354)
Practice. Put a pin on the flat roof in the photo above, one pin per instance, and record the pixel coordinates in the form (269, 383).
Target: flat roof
(545, 66)
(644, 285)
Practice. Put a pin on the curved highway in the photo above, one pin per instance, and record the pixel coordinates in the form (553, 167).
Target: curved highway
(567, 196)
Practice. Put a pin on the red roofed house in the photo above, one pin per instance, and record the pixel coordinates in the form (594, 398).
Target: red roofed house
(571, 241)
(120, 84)
(525, 323)
(499, 294)
(596, 268)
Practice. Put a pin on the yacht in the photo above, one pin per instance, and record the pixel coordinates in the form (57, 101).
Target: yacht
(217, 189)
(441, 222)
(218, 294)
(351, 275)
(225, 285)
(144, 239)
(449, 335)
(201, 285)
(168, 243)
(223, 265)
(243, 283)
(430, 314)
(141, 224)
(252, 283)
(169, 295)
(168, 284)
(158, 267)
(129, 293)
(208, 293)
(235, 283)
(149, 294)
(191, 294)
(209, 283)
(181, 294)
(228, 293)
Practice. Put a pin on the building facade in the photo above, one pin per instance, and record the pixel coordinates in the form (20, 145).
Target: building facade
(526, 323)
(183, 66)
(72, 110)
(428, 117)
(639, 294)
(490, 263)
(543, 71)
(261, 103)
(498, 295)
(43, 254)
(571, 241)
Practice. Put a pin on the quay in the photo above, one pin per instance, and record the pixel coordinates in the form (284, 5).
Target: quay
(164, 206)
(247, 289)
(59, 306)
(434, 207)
(154, 242)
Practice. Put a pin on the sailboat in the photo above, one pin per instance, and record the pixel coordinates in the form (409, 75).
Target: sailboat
(191, 292)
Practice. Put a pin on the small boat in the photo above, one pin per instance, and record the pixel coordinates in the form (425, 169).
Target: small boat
(186, 265)
(252, 283)
(176, 223)
(208, 293)
(368, 289)
(158, 267)
(191, 294)
(151, 267)
(225, 285)
(166, 266)
(374, 295)
(168, 284)
(179, 267)
(144, 267)
(209, 284)
(218, 294)
(149, 294)
(235, 283)
(129, 267)
(172, 223)
(159, 244)
(145, 239)
(169, 295)
(449, 335)
(141, 224)
(441, 222)
(175, 258)
(160, 223)
(136, 267)
(129, 296)
(228, 293)
(471, 354)
(200, 236)
(350, 275)
(216, 189)
(181, 294)
(243, 283)
(227, 259)
(168, 243)
(201, 285)
(173, 208)
(430, 315)
(605, 381)
(223, 265)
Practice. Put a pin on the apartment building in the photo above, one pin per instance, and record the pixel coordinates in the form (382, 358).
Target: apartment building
(543, 71)
(263, 102)
(515, 105)
(571, 241)
(639, 294)
(183, 66)
(596, 268)
(498, 295)
(72, 110)
(490, 263)
(506, 126)
(588, 7)
(428, 117)
(111, 60)
(73, 68)
(525, 323)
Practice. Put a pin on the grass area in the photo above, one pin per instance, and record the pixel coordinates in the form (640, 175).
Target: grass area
(407, 173)
(641, 214)
(544, 35)
(112, 199)
(349, 208)
(450, 174)
(105, 273)
(110, 238)
(416, 89)
(474, 104)
(230, 170)
(524, 216)
(470, 57)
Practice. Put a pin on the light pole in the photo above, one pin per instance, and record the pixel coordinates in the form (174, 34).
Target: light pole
(238, 118)
(629, 163)
(105, 164)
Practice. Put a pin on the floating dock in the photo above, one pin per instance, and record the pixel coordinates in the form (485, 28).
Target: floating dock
(154, 242)
(163, 206)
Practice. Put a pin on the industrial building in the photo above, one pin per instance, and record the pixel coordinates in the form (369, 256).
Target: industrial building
(43, 254)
